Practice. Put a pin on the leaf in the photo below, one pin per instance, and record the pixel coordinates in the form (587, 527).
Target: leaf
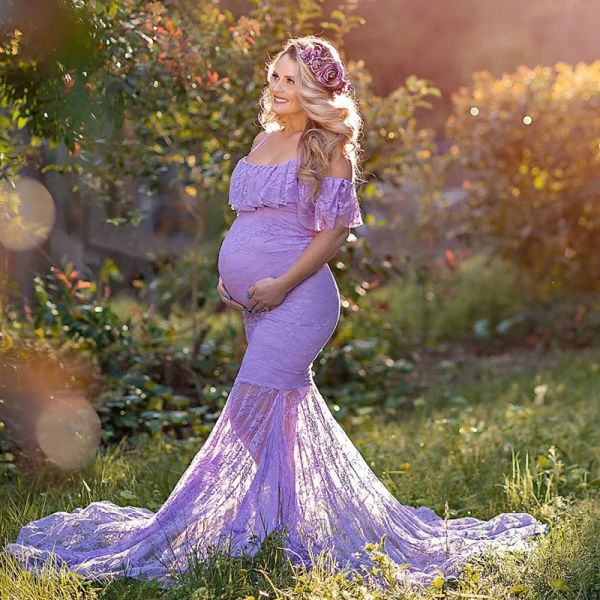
(110, 271)
(458, 400)
(6, 341)
(559, 585)
(329, 25)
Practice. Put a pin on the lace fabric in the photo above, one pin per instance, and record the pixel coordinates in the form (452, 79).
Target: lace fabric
(254, 186)
(337, 204)
(276, 459)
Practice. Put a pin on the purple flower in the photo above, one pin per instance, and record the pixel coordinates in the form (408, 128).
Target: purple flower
(312, 52)
(331, 75)
(328, 71)
(316, 65)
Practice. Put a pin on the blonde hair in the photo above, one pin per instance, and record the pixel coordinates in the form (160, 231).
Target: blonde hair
(333, 120)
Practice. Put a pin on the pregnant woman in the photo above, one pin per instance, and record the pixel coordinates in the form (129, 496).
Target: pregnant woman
(277, 459)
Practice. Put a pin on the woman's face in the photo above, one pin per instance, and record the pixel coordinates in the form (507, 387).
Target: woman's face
(284, 85)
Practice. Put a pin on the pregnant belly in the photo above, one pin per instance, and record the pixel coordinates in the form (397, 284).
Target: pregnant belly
(247, 255)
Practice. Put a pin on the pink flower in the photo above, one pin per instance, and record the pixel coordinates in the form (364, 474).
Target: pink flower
(316, 65)
(331, 75)
(312, 52)
(328, 71)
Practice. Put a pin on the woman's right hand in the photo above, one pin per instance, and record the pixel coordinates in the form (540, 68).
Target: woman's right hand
(226, 297)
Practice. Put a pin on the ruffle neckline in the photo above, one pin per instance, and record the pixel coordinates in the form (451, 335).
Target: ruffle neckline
(245, 160)
(278, 185)
(292, 160)
(253, 186)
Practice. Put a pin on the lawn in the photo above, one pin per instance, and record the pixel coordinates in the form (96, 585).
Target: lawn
(496, 434)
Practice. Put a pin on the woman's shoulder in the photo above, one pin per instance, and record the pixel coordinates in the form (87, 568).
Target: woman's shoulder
(258, 139)
(339, 165)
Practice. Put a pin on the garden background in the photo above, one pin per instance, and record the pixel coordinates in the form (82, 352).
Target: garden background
(466, 364)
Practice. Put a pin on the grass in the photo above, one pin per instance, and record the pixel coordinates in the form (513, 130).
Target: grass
(484, 440)
(481, 288)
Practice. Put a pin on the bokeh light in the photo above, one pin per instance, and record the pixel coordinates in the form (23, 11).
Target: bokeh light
(27, 213)
(68, 431)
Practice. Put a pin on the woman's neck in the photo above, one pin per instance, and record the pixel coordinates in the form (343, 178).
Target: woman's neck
(291, 127)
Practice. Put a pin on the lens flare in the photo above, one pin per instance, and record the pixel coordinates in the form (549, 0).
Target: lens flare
(27, 213)
(68, 431)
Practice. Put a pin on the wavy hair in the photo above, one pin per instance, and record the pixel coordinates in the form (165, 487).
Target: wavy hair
(333, 120)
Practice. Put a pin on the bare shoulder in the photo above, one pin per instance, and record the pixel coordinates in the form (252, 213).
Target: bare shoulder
(259, 138)
(340, 165)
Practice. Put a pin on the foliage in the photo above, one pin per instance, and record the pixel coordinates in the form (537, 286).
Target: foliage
(373, 381)
(33, 372)
(94, 92)
(476, 301)
(149, 383)
(529, 143)
(138, 88)
(39, 95)
(153, 89)
(473, 448)
(66, 306)
(443, 304)
(134, 406)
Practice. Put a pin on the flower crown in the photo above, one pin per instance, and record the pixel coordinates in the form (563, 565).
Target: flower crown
(328, 71)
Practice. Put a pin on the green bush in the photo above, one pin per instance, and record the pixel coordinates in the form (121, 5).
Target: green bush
(449, 305)
(481, 288)
(527, 144)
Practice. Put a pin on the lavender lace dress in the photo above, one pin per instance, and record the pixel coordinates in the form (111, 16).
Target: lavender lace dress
(276, 458)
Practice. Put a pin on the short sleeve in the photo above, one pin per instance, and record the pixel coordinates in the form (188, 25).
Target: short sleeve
(337, 204)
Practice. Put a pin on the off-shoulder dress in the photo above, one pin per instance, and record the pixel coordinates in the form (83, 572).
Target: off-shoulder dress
(276, 459)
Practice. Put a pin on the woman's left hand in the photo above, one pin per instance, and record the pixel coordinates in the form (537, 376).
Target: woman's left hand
(266, 293)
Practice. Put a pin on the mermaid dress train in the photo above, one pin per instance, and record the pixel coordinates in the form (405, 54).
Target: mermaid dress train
(276, 458)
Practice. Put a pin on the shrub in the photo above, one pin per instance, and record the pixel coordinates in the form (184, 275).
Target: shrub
(529, 144)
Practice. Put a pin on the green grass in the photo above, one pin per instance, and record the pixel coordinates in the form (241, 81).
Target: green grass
(485, 439)
(480, 288)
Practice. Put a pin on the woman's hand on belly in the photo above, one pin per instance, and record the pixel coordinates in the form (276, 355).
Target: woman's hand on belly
(266, 293)
(226, 297)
